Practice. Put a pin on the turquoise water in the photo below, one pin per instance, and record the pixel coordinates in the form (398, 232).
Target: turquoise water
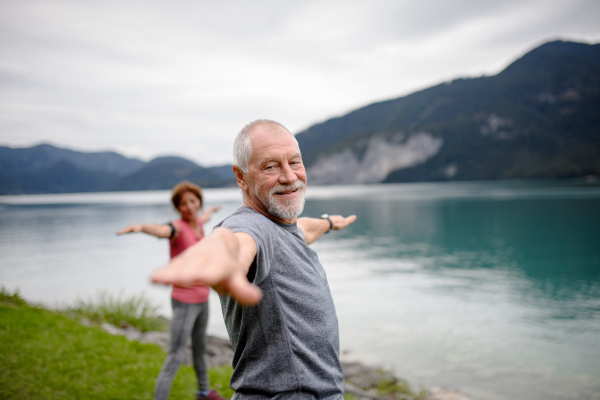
(491, 288)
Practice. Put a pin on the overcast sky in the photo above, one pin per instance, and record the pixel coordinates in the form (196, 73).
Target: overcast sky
(183, 77)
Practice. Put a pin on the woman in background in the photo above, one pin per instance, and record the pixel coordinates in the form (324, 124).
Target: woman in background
(190, 305)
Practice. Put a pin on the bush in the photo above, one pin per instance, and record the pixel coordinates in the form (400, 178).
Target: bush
(11, 298)
(135, 310)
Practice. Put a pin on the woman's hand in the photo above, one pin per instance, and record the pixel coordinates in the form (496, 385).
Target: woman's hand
(161, 231)
(131, 229)
(206, 215)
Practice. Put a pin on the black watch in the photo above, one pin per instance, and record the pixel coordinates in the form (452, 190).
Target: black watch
(326, 216)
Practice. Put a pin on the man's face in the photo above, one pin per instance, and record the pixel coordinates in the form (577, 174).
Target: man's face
(276, 176)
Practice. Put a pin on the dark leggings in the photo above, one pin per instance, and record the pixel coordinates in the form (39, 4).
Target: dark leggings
(188, 319)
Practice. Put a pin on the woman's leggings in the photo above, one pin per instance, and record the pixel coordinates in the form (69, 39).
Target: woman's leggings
(188, 319)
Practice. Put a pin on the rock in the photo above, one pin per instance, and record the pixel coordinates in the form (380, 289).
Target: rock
(160, 338)
(360, 375)
(439, 393)
(361, 394)
(218, 350)
(131, 333)
(378, 156)
(113, 330)
(361, 379)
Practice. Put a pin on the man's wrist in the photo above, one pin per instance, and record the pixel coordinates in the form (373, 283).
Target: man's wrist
(326, 216)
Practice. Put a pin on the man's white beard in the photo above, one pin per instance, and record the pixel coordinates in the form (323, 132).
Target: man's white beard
(287, 209)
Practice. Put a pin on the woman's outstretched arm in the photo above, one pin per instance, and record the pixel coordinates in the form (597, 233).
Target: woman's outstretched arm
(161, 231)
(206, 215)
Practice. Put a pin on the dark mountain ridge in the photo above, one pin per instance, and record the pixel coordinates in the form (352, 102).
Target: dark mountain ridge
(538, 118)
(48, 169)
(22, 160)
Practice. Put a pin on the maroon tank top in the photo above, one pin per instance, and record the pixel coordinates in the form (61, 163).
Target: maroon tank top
(187, 238)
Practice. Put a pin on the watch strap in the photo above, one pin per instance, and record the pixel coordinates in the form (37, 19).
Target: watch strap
(325, 216)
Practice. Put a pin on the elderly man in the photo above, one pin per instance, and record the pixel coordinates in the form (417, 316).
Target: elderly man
(275, 298)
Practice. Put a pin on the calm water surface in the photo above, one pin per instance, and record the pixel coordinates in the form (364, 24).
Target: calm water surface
(492, 288)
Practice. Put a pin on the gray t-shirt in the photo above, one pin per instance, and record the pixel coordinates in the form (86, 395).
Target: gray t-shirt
(287, 346)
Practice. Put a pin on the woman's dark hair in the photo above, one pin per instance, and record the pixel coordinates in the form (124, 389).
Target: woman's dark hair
(183, 187)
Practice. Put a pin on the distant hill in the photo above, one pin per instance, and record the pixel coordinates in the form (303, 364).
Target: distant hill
(61, 177)
(165, 172)
(538, 118)
(22, 160)
(49, 169)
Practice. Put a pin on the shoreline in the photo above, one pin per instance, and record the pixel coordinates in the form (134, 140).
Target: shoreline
(362, 380)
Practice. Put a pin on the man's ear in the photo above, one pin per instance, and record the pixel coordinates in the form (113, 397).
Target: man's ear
(239, 177)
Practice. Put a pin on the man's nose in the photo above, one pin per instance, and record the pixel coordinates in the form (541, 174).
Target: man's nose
(287, 175)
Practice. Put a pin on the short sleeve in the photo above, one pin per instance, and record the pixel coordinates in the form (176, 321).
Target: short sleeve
(258, 227)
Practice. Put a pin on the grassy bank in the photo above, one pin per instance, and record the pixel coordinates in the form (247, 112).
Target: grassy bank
(48, 355)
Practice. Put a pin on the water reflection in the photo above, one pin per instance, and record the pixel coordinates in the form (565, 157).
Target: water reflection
(500, 295)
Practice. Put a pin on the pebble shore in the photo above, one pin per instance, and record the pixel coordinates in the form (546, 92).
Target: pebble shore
(361, 379)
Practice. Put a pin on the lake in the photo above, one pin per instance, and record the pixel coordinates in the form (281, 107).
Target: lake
(489, 287)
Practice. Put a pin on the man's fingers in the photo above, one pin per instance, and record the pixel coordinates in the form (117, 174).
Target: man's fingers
(163, 275)
(243, 291)
(340, 222)
(177, 275)
(237, 285)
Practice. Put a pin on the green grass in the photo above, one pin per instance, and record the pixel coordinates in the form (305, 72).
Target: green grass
(393, 388)
(48, 355)
(135, 310)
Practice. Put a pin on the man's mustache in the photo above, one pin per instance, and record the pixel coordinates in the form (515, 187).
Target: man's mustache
(283, 188)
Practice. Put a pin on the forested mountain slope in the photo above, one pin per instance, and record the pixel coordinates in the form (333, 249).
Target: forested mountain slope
(538, 118)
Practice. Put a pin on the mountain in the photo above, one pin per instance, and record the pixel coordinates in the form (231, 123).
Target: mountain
(538, 118)
(49, 169)
(23, 160)
(166, 172)
(224, 171)
(61, 177)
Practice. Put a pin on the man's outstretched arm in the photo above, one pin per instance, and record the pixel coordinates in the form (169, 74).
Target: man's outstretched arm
(221, 260)
(313, 228)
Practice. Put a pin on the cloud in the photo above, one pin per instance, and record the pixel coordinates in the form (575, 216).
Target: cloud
(151, 78)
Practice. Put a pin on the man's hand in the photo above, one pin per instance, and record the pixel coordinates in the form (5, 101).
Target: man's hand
(313, 228)
(221, 261)
(340, 222)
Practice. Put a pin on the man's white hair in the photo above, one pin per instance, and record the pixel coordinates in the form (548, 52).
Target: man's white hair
(242, 147)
